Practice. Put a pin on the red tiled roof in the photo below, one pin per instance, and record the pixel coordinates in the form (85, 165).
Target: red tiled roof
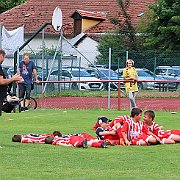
(34, 13)
(89, 14)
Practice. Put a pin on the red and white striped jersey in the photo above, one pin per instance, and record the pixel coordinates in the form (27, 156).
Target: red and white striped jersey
(63, 141)
(133, 129)
(119, 119)
(35, 138)
(155, 129)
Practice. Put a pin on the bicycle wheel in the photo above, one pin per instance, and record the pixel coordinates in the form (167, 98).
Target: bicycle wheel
(32, 104)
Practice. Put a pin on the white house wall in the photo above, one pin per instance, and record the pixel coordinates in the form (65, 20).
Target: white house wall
(36, 43)
(88, 47)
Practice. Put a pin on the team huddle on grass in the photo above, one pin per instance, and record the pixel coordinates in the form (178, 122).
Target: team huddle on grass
(123, 130)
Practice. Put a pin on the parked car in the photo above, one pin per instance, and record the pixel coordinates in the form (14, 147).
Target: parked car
(164, 71)
(145, 74)
(103, 74)
(168, 73)
(177, 74)
(6, 70)
(75, 74)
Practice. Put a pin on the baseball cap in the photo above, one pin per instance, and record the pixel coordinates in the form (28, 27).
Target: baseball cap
(103, 120)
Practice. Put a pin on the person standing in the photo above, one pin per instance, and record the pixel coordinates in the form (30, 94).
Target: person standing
(26, 69)
(4, 82)
(130, 73)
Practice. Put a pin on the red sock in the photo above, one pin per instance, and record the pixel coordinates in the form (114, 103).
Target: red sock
(97, 144)
(177, 132)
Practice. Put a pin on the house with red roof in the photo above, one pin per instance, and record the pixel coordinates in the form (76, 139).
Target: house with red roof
(90, 17)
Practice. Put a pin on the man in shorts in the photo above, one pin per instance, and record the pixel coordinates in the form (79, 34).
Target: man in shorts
(26, 69)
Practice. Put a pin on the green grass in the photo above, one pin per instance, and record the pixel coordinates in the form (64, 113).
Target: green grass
(41, 161)
(114, 94)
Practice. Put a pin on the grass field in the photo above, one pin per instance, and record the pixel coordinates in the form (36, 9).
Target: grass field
(41, 161)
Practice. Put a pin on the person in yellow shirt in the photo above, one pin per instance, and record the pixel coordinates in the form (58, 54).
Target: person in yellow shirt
(130, 73)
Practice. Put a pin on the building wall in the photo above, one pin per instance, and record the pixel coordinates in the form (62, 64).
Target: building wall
(87, 24)
(88, 47)
(36, 43)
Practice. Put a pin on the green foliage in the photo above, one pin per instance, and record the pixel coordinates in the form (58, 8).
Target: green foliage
(144, 20)
(47, 51)
(124, 38)
(41, 161)
(114, 94)
(109, 40)
(164, 28)
(8, 4)
(130, 40)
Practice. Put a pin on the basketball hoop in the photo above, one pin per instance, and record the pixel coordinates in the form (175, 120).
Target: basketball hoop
(57, 19)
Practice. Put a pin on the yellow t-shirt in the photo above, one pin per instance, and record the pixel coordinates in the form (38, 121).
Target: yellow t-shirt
(128, 73)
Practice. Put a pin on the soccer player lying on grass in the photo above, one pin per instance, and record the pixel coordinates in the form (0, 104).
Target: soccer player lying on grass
(34, 138)
(173, 131)
(134, 132)
(166, 137)
(104, 132)
(76, 140)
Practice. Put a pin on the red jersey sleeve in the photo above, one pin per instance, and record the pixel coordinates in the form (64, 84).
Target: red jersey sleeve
(124, 127)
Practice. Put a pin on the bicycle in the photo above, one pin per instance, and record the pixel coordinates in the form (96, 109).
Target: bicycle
(32, 104)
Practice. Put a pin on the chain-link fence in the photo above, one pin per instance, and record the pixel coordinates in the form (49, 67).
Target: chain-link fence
(148, 64)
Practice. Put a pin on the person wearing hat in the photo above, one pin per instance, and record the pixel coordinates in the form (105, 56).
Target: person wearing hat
(130, 73)
(105, 132)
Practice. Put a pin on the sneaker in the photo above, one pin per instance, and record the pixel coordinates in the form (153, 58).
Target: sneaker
(85, 143)
(104, 144)
(21, 109)
(26, 109)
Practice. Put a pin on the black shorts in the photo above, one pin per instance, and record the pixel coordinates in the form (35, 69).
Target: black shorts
(24, 91)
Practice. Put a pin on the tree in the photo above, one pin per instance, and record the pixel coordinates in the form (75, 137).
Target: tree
(113, 41)
(164, 28)
(124, 38)
(8, 4)
(125, 27)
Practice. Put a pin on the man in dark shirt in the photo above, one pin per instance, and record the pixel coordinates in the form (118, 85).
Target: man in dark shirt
(4, 82)
(26, 69)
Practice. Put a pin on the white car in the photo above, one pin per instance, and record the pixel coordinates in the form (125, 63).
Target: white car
(76, 74)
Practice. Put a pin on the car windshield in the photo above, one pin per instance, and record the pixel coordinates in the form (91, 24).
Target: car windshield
(164, 71)
(77, 73)
(177, 72)
(145, 73)
(105, 73)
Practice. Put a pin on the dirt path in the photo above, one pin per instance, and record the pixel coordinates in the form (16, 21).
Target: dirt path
(168, 104)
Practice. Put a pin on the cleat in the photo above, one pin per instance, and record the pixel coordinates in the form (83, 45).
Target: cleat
(26, 109)
(113, 144)
(85, 143)
(104, 144)
(21, 109)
